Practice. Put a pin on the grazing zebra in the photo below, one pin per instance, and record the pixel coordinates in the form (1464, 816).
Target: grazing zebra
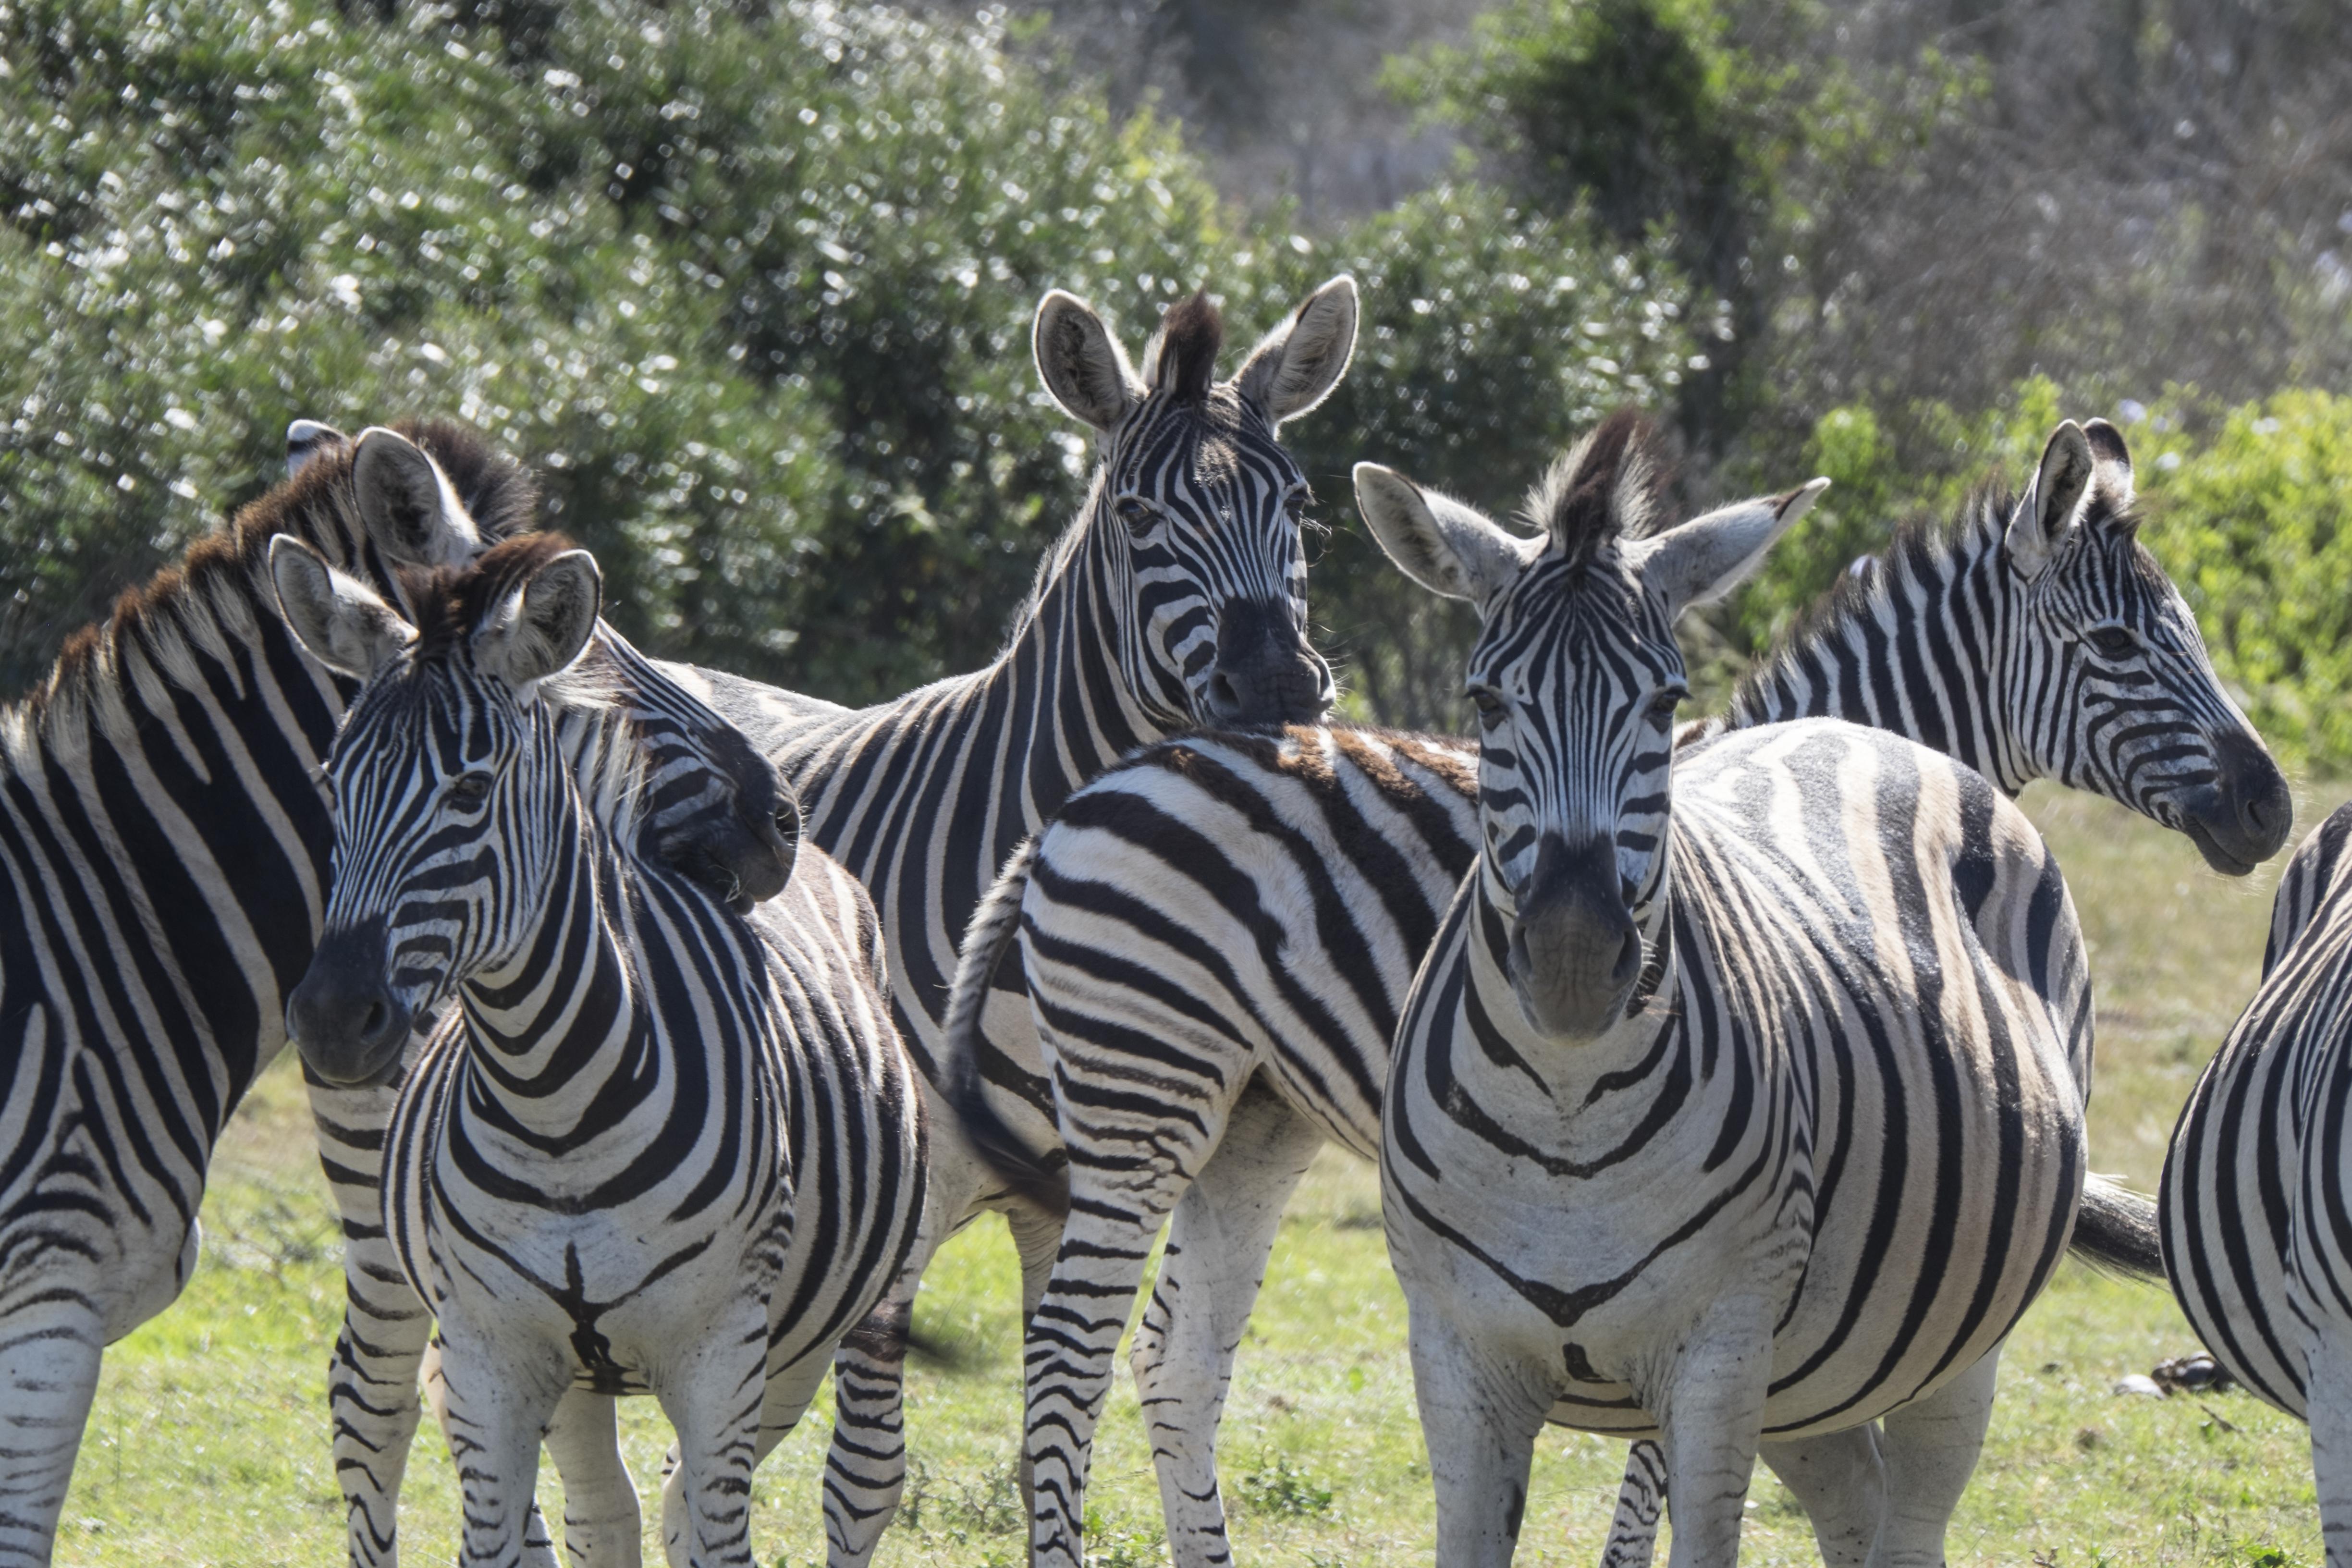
(2255, 1197)
(163, 840)
(659, 1147)
(1190, 979)
(1177, 598)
(1740, 1105)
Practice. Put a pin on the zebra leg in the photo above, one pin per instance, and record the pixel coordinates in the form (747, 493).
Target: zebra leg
(1641, 1503)
(49, 1354)
(372, 1381)
(538, 1546)
(2328, 1396)
(1930, 1447)
(865, 1468)
(1480, 1414)
(1711, 1421)
(1218, 1242)
(1071, 1347)
(601, 1527)
(785, 1398)
(716, 1408)
(492, 1409)
(1841, 1479)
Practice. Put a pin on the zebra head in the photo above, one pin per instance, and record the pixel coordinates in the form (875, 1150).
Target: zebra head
(2115, 690)
(720, 812)
(1576, 676)
(1191, 529)
(449, 779)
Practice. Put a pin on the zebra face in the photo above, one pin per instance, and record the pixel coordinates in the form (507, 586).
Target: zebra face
(1193, 528)
(449, 786)
(2119, 691)
(1576, 677)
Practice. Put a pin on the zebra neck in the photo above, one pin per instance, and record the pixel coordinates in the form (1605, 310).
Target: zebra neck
(561, 1036)
(163, 825)
(947, 781)
(1920, 642)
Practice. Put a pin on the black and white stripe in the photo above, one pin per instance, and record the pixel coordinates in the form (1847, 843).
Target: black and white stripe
(1739, 1103)
(658, 1148)
(2256, 1200)
(163, 838)
(1178, 597)
(1224, 925)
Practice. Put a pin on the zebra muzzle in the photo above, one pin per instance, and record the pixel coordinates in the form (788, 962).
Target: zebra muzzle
(1575, 952)
(342, 1016)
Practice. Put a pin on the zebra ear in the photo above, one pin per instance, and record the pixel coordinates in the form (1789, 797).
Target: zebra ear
(1294, 367)
(2111, 463)
(1446, 547)
(406, 504)
(1082, 365)
(1708, 557)
(307, 441)
(544, 624)
(2053, 501)
(340, 620)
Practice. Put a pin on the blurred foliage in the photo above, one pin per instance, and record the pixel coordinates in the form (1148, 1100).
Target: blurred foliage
(752, 289)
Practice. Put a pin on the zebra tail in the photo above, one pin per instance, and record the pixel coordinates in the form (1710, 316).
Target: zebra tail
(2115, 1231)
(1045, 1182)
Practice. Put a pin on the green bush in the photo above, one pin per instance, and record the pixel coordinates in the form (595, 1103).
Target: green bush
(752, 289)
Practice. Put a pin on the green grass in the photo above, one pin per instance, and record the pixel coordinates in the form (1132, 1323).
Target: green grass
(209, 1445)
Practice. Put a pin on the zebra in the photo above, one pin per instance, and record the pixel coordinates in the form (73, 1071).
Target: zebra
(1176, 598)
(2253, 1196)
(1739, 1104)
(713, 808)
(163, 842)
(658, 1148)
(1189, 981)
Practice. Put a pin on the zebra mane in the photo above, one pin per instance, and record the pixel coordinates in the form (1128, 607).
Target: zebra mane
(1182, 357)
(1924, 547)
(1603, 488)
(217, 596)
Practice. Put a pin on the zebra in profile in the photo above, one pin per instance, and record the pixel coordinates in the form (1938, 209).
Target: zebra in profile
(658, 1148)
(2254, 1195)
(1177, 598)
(1190, 979)
(163, 839)
(1739, 1104)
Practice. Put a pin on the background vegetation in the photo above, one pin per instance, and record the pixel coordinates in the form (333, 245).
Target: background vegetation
(209, 1445)
(750, 283)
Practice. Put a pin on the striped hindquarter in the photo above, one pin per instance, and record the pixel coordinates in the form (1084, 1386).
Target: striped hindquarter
(2256, 1203)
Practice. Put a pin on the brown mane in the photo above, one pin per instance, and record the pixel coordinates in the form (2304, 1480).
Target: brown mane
(452, 602)
(318, 505)
(1191, 335)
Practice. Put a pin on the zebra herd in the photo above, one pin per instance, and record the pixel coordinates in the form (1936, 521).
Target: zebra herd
(1725, 1080)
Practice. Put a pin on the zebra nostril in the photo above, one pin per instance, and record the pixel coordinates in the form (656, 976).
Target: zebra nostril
(1222, 695)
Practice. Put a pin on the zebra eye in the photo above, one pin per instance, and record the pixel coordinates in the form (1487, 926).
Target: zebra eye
(468, 790)
(1490, 706)
(1141, 516)
(1296, 503)
(1663, 706)
(2115, 642)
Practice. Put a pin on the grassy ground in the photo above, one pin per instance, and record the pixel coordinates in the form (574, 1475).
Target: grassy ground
(208, 1443)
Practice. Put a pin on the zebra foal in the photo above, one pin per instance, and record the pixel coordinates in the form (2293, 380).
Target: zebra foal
(1188, 981)
(659, 1147)
(1739, 1104)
